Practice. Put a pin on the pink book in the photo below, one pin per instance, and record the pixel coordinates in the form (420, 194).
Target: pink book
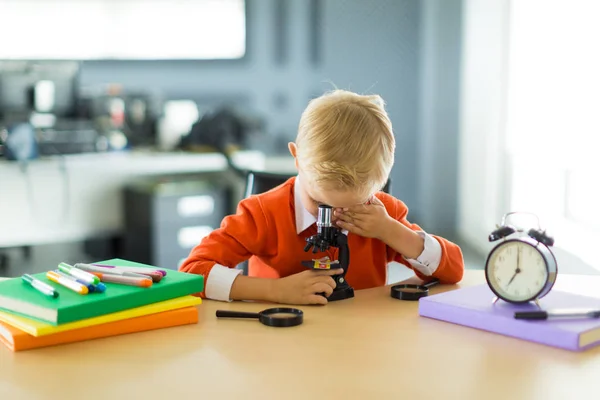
(472, 307)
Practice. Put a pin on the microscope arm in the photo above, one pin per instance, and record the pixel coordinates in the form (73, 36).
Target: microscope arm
(344, 253)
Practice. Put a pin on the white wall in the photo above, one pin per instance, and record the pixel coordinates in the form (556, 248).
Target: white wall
(373, 47)
(498, 37)
(482, 168)
(440, 44)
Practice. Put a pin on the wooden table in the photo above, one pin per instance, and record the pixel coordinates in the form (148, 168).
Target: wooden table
(371, 346)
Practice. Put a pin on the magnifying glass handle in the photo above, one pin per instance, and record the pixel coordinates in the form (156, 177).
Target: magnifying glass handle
(236, 314)
(432, 283)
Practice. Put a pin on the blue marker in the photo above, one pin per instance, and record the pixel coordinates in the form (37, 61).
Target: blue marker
(100, 288)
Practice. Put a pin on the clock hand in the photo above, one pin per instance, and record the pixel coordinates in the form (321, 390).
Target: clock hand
(513, 277)
(516, 270)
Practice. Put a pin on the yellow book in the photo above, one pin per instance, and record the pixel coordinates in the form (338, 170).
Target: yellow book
(39, 328)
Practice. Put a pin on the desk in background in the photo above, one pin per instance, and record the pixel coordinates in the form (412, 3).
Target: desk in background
(79, 198)
(95, 183)
(371, 346)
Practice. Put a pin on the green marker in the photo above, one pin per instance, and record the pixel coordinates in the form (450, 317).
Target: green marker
(39, 286)
(79, 274)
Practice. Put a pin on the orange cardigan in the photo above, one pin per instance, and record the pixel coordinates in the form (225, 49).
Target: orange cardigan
(263, 230)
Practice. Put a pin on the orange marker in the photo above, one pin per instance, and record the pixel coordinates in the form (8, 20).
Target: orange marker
(124, 280)
(68, 283)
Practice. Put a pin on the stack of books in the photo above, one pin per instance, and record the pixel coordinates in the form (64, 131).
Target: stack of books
(65, 305)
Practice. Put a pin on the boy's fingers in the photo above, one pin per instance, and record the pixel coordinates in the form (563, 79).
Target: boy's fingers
(322, 287)
(329, 272)
(361, 208)
(325, 278)
(328, 280)
(316, 299)
(344, 218)
(351, 228)
(355, 210)
(346, 225)
(351, 216)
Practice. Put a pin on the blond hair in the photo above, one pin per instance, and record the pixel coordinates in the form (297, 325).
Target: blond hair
(345, 141)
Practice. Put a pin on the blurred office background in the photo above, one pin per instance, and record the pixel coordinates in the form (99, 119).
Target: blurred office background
(116, 117)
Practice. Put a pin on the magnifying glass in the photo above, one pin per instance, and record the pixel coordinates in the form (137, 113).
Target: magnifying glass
(410, 291)
(279, 317)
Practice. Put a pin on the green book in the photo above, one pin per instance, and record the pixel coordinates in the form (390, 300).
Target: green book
(20, 298)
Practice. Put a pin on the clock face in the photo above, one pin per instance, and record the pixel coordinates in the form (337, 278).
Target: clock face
(516, 271)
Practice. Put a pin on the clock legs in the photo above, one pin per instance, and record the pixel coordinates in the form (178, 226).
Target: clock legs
(536, 301)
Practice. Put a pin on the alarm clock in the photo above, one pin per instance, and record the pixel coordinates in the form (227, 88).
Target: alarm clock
(523, 268)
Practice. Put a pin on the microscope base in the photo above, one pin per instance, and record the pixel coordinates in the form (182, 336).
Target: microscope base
(341, 294)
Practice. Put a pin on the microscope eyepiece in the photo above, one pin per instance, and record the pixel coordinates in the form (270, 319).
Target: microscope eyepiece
(324, 218)
(326, 229)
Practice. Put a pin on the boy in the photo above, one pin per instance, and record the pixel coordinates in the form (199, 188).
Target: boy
(344, 152)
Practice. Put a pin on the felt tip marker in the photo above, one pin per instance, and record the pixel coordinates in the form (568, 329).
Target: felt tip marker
(124, 280)
(134, 269)
(79, 274)
(112, 271)
(89, 286)
(156, 275)
(100, 288)
(40, 286)
(558, 313)
(68, 283)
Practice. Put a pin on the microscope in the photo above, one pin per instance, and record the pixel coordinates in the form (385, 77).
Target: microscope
(329, 235)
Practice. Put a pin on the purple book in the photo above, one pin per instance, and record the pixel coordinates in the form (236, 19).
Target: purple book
(472, 307)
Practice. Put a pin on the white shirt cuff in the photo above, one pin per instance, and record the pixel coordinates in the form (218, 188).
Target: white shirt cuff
(219, 282)
(429, 260)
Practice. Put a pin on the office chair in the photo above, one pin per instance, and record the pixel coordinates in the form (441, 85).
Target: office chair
(259, 182)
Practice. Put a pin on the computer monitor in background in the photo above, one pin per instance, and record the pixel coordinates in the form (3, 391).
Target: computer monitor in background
(39, 86)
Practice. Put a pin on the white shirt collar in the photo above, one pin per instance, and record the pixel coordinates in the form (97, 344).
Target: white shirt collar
(304, 219)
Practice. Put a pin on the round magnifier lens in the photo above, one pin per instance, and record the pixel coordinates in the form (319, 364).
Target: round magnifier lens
(408, 292)
(411, 290)
(281, 317)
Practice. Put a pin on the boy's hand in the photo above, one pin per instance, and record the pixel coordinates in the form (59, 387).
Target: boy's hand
(303, 288)
(367, 220)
